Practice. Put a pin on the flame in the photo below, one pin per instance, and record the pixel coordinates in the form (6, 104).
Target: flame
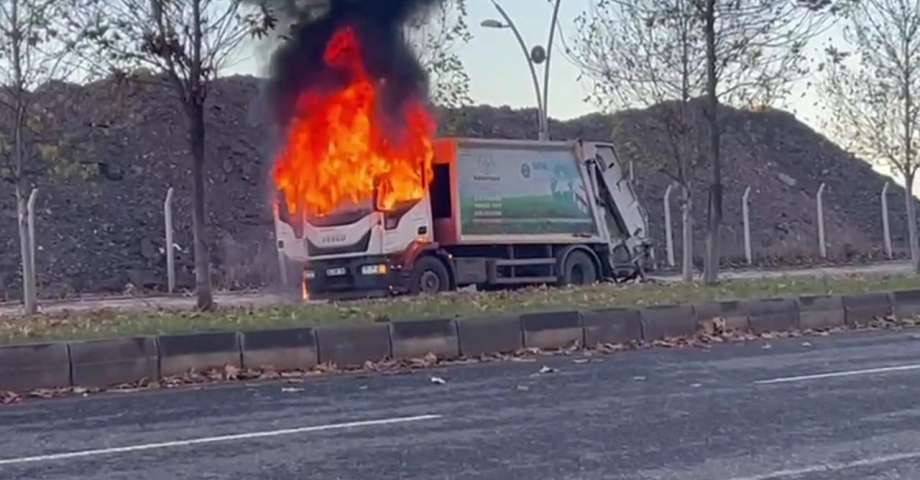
(337, 148)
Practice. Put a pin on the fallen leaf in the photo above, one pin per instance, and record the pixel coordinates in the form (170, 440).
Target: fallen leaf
(41, 393)
(7, 398)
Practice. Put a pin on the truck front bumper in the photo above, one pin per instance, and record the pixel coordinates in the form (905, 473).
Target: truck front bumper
(352, 278)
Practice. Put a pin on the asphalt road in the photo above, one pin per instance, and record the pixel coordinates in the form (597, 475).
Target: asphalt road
(262, 299)
(805, 408)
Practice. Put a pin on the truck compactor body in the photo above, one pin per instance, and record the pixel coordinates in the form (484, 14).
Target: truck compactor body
(500, 213)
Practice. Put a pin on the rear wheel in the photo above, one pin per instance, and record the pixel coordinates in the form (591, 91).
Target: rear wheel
(429, 276)
(578, 269)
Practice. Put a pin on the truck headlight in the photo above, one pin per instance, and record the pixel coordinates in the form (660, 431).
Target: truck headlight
(374, 270)
(309, 274)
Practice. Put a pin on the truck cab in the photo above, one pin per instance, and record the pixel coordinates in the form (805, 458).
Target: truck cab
(355, 248)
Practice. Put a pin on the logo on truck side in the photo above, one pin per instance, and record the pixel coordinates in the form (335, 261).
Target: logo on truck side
(337, 238)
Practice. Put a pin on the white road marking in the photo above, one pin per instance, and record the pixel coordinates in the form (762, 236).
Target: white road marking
(848, 373)
(832, 467)
(217, 439)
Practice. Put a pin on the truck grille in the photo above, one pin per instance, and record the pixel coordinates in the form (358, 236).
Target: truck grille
(360, 246)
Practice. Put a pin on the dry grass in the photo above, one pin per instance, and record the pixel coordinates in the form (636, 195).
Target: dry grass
(109, 323)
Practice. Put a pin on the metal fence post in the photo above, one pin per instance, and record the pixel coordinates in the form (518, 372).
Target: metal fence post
(746, 216)
(822, 246)
(886, 230)
(170, 253)
(31, 219)
(668, 234)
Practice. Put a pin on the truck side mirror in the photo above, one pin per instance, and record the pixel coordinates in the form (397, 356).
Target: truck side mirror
(375, 196)
(283, 214)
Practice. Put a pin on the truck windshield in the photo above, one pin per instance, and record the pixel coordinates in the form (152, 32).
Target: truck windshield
(347, 213)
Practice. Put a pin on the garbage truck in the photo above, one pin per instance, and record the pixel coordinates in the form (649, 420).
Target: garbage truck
(497, 214)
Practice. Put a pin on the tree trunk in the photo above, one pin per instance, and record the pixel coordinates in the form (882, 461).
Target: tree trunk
(687, 237)
(199, 220)
(910, 204)
(714, 220)
(29, 296)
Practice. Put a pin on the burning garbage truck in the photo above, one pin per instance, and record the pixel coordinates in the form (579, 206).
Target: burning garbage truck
(371, 203)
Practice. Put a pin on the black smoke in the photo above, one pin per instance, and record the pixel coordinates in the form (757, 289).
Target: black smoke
(297, 64)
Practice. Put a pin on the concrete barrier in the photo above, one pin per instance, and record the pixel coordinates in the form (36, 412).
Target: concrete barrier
(480, 336)
(772, 314)
(282, 349)
(862, 308)
(818, 312)
(102, 363)
(548, 330)
(418, 338)
(198, 351)
(32, 366)
(106, 362)
(353, 345)
(732, 311)
(667, 321)
(905, 304)
(613, 325)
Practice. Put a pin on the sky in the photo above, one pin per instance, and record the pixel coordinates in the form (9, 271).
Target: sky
(498, 69)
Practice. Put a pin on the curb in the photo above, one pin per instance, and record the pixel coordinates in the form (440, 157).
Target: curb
(108, 362)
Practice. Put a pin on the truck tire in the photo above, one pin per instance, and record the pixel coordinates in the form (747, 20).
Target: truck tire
(429, 276)
(578, 269)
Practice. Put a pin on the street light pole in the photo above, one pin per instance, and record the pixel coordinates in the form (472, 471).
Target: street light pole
(549, 53)
(533, 71)
(542, 95)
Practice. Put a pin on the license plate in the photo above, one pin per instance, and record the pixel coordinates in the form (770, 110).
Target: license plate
(335, 272)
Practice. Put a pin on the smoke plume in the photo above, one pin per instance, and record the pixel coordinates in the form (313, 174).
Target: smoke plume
(297, 64)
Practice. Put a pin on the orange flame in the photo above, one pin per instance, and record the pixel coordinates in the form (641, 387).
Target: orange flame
(335, 151)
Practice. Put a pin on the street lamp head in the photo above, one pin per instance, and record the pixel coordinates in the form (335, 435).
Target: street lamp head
(492, 23)
(538, 54)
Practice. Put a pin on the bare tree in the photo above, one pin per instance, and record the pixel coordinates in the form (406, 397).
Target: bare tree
(657, 68)
(34, 50)
(871, 84)
(437, 34)
(186, 43)
(752, 50)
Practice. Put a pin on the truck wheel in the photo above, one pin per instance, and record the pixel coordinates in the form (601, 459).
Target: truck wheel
(429, 276)
(579, 269)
